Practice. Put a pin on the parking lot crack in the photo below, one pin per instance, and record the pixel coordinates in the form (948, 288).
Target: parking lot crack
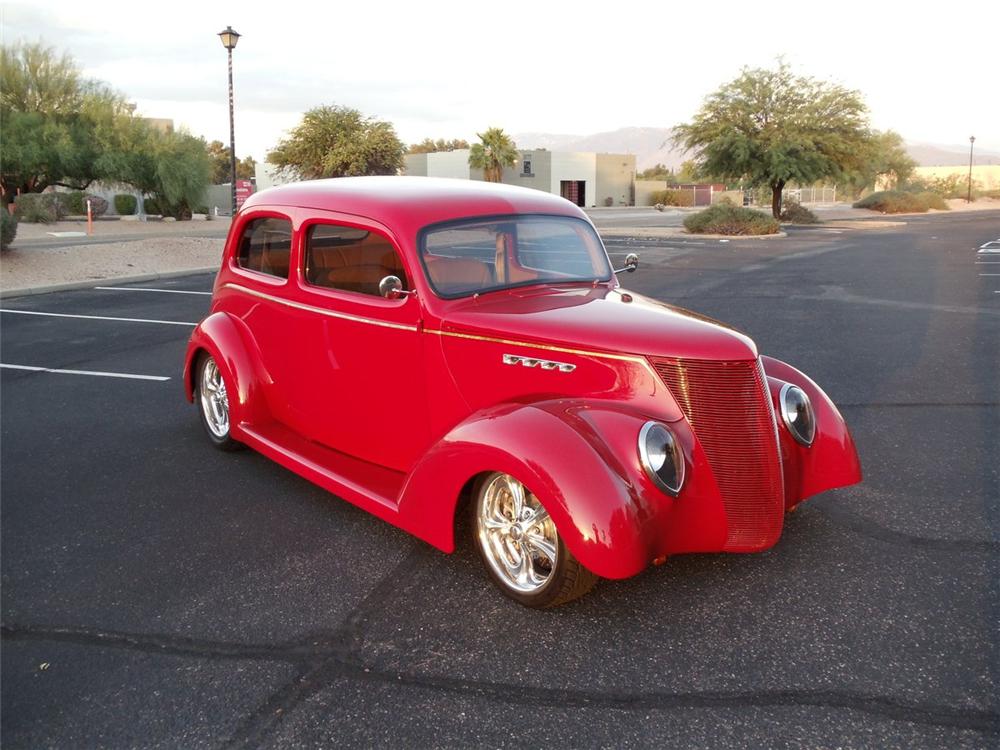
(169, 645)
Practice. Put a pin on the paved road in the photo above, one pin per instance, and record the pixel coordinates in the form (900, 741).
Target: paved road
(159, 593)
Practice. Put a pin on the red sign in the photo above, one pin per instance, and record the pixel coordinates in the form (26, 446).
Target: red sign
(244, 189)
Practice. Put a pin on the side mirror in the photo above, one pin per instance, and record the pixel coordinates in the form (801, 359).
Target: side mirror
(392, 288)
(631, 263)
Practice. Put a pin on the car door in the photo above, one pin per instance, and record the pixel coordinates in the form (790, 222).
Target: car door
(357, 382)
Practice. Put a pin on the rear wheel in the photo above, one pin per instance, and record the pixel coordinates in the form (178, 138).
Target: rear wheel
(521, 548)
(213, 404)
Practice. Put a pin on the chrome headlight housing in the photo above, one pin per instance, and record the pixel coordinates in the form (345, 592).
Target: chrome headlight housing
(797, 413)
(661, 457)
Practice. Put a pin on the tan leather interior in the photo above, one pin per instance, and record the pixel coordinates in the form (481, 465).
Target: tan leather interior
(356, 266)
(451, 275)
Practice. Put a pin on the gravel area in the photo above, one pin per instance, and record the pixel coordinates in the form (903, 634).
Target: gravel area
(27, 267)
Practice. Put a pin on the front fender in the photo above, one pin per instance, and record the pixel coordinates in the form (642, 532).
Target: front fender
(229, 342)
(832, 460)
(593, 498)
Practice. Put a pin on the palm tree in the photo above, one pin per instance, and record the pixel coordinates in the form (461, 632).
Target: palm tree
(496, 151)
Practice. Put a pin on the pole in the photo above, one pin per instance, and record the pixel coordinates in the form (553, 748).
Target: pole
(90, 219)
(232, 133)
(972, 140)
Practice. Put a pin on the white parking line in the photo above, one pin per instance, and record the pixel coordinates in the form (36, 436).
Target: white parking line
(147, 289)
(129, 376)
(99, 317)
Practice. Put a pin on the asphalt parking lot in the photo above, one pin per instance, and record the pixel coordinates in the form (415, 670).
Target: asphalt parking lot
(158, 593)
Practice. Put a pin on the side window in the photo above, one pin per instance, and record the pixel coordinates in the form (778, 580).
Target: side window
(350, 259)
(265, 246)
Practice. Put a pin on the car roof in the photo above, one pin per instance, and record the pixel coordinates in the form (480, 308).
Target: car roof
(414, 201)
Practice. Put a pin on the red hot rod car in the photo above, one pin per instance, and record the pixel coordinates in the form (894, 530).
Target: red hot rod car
(420, 346)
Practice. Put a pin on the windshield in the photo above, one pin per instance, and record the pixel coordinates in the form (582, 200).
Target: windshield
(481, 255)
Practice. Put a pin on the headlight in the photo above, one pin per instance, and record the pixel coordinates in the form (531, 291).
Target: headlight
(797, 414)
(661, 457)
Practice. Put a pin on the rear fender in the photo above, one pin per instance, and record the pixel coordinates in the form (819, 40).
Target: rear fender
(832, 460)
(590, 496)
(230, 343)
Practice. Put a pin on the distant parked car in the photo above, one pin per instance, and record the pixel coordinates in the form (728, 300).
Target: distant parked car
(425, 347)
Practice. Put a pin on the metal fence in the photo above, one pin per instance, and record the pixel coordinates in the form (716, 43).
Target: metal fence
(811, 195)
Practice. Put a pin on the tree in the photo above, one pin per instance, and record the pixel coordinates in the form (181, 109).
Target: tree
(337, 141)
(659, 172)
(884, 158)
(495, 151)
(770, 127)
(218, 154)
(430, 146)
(56, 125)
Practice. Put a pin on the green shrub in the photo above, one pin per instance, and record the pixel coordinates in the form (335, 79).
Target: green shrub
(672, 197)
(37, 208)
(152, 206)
(723, 218)
(794, 212)
(72, 204)
(125, 204)
(902, 202)
(8, 228)
(933, 200)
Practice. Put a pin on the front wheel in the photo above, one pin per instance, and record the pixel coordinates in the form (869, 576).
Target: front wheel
(521, 548)
(213, 404)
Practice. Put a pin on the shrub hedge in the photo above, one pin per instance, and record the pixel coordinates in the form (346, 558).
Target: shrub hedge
(725, 218)
(38, 208)
(8, 228)
(901, 202)
(794, 212)
(672, 197)
(125, 204)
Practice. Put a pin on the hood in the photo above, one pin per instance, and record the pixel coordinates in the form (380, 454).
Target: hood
(598, 318)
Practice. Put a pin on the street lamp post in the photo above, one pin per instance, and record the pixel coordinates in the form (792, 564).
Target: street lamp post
(968, 198)
(229, 39)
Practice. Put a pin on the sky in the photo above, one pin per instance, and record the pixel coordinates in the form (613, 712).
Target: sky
(443, 69)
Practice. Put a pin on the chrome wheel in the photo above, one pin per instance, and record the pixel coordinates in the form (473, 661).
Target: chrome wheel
(214, 399)
(516, 535)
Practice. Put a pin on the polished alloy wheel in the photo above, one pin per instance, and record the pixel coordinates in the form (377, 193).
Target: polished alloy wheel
(214, 399)
(518, 538)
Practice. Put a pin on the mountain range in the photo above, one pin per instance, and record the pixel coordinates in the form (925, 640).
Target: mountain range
(653, 146)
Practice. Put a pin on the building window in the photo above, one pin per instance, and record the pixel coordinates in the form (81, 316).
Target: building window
(526, 166)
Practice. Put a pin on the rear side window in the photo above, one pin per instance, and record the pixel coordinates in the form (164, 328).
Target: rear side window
(265, 246)
(350, 259)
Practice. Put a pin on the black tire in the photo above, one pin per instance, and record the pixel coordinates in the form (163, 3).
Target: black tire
(208, 376)
(565, 581)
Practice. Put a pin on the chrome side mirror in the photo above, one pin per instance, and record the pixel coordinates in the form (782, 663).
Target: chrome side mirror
(392, 288)
(631, 263)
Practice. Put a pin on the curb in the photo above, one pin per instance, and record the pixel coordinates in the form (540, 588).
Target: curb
(659, 233)
(91, 283)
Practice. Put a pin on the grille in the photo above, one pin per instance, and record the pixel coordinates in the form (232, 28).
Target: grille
(728, 407)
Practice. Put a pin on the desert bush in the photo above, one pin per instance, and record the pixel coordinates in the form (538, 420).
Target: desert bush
(125, 204)
(994, 194)
(672, 197)
(723, 218)
(902, 202)
(152, 206)
(37, 208)
(933, 200)
(72, 204)
(98, 206)
(8, 228)
(794, 212)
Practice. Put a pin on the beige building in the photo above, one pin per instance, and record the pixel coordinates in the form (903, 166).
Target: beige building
(584, 178)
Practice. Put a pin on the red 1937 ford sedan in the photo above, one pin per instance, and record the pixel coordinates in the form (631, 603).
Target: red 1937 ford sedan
(425, 347)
